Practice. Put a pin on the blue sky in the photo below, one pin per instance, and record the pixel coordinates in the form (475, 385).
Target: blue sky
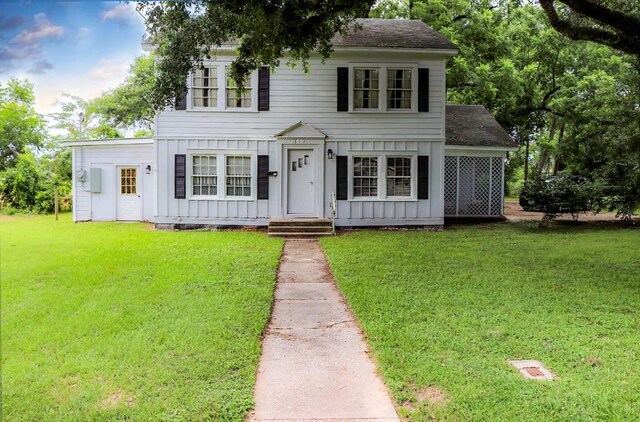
(76, 47)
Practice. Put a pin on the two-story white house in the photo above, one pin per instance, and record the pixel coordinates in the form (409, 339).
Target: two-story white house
(369, 127)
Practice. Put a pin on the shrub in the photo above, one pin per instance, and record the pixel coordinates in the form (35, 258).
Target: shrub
(565, 194)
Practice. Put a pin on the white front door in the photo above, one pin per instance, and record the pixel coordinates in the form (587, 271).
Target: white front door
(128, 197)
(301, 183)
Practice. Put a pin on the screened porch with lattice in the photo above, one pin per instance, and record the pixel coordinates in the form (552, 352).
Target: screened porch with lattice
(473, 186)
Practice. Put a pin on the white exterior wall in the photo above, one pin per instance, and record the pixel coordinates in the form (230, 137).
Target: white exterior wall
(101, 206)
(311, 98)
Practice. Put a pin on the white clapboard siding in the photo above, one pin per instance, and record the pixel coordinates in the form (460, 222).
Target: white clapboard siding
(102, 206)
(312, 98)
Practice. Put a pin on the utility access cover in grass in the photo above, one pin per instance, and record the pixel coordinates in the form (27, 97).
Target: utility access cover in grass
(532, 369)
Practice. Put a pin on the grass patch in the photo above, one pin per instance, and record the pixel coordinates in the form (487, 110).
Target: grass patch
(106, 321)
(444, 311)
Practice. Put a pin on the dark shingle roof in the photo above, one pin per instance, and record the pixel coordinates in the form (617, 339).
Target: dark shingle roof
(392, 33)
(473, 125)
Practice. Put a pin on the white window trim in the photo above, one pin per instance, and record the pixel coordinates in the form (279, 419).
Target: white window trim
(382, 176)
(382, 86)
(222, 92)
(221, 169)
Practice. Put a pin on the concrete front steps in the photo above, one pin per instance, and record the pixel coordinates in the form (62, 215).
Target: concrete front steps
(300, 227)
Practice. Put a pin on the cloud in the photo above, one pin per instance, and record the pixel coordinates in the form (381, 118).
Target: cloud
(84, 32)
(119, 12)
(42, 29)
(40, 67)
(107, 69)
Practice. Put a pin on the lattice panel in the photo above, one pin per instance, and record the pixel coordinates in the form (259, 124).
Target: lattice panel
(496, 186)
(450, 185)
(473, 192)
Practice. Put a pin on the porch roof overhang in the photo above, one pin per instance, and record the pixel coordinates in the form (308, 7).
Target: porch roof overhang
(301, 130)
(472, 127)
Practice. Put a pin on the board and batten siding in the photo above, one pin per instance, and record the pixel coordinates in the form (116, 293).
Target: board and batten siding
(296, 96)
(204, 211)
(102, 206)
(258, 211)
(354, 212)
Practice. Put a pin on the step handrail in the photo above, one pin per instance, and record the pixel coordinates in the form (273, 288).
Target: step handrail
(334, 212)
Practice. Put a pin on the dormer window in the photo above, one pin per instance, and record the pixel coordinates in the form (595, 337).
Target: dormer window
(366, 89)
(204, 86)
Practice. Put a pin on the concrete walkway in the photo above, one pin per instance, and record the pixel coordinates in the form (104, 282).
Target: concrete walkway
(314, 362)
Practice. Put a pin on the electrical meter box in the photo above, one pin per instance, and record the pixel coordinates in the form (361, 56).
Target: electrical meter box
(95, 180)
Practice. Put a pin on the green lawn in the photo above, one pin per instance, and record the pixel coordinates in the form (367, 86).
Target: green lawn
(105, 321)
(446, 310)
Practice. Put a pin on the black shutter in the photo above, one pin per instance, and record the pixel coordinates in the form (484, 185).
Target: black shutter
(342, 177)
(180, 178)
(343, 89)
(423, 177)
(423, 90)
(263, 177)
(263, 89)
(181, 99)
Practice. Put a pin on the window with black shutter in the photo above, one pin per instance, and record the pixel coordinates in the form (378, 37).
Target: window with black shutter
(263, 177)
(342, 177)
(423, 177)
(423, 90)
(263, 89)
(343, 89)
(180, 177)
(181, 99)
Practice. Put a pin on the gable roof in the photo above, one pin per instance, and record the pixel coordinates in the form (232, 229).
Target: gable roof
(392, 33)
(473, 125)
(300, 130)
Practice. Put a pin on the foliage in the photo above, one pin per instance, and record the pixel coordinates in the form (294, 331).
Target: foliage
(78, 120)
(119, 322)
(20, 126)
(129, 105)
(446, 310)
(29, 185)
(186, 32)
(563, 194)
(615, 23)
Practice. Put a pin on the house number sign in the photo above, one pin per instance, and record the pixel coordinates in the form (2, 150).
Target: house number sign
(300, 141)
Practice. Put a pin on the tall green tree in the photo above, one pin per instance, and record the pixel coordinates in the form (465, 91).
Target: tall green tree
(186, 32)
(130, 105)
(78, 120)
(20, 126)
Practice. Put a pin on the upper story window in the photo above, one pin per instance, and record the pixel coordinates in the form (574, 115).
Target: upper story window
(204, 87)
(366, 88)
(399, 89)
(383, 87)
(212, 90)
(241, 100)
